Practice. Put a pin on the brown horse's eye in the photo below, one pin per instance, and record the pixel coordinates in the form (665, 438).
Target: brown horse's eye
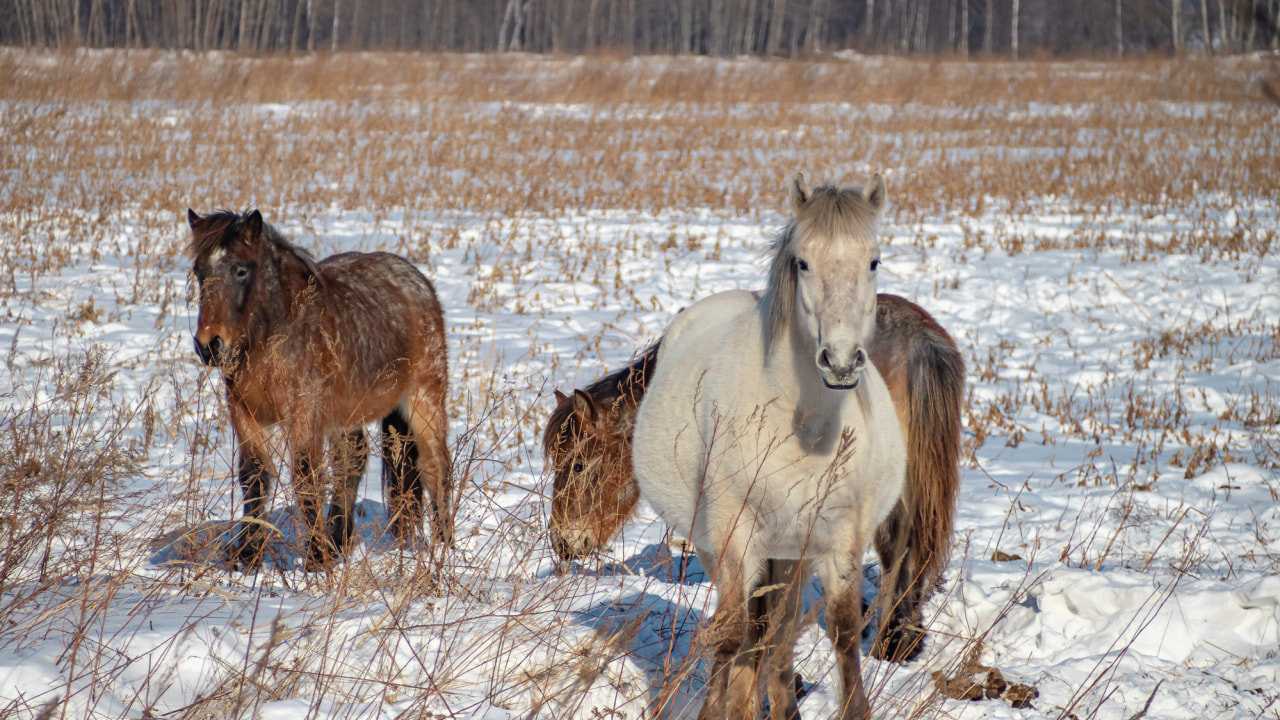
(240, 272)
(577, 468)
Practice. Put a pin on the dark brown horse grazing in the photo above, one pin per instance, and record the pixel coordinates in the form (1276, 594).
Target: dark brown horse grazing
(595, 488)
(587, 441)
(320, 349)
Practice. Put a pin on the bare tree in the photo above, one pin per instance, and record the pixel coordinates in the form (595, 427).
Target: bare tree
(1119, 32)
(1176, 31)
(1013, 30)
(989, 35)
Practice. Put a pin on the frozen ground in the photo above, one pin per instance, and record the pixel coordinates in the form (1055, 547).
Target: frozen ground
(1124, 368)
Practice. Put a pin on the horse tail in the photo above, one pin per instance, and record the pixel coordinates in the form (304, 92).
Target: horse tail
(935, 382)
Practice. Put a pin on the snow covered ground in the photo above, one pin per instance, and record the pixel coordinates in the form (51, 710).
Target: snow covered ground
(1124, 424)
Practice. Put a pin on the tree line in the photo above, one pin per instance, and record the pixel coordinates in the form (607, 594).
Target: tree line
(708, 27)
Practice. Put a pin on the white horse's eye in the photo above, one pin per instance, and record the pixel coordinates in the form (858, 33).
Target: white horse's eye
(801, 265)
(875, 264)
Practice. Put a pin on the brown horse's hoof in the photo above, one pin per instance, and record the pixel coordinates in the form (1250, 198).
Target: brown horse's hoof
(321, 557)
(246, 558)
(898, 644)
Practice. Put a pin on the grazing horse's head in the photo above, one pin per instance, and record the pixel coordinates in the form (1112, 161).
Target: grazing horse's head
(822, 279)
(594, 492)
(237, 261)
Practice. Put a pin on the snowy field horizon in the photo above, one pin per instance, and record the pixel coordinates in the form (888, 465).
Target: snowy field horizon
(1098, 237)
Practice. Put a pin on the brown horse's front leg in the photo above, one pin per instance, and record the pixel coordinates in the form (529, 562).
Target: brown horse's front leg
(350, 453)
(311, 492)
(401, 484)
(253, 470)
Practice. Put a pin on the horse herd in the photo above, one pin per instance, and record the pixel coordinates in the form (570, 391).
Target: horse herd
(781, 432)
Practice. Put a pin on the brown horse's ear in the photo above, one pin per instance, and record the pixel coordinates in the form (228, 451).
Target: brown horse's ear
(874, 193)
(800, 192)
(584, 406)
(193, 219)
(560, 397)
(253, 221)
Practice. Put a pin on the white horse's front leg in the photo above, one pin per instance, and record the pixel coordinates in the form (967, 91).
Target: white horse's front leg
(844, 626)
(732, 688)
(785, 607)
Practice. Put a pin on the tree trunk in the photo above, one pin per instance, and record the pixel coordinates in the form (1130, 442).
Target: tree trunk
(1119, 32)
(988, 31)
(508, 16)
(964, 28)
(593, 11)
(517, 35)
(817, 20)
(1013, 33)
(922, 26)
(686, 26)
(951, 26)
(355, 37)
(242, 33)
(870, 22)
(775, 26)
(1204, 26)
(337, 26)
(1176, 30)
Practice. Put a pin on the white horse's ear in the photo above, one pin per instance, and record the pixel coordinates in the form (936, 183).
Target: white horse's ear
(874, 193)
(800, 192)
(584, 406)
(193, 218)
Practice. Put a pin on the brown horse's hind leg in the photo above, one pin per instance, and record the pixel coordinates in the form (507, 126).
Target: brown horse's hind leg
(901, 635)
(401, 485)
(429, 424)
(350, 453)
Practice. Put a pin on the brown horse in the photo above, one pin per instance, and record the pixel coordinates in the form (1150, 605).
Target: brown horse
(595, 488)
(587, 441)
(320, 349)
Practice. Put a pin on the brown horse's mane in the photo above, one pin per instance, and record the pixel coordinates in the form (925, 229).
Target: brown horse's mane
(222, 227)
(626, 384)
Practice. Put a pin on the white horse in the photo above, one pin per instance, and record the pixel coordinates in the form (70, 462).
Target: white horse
(768, 440)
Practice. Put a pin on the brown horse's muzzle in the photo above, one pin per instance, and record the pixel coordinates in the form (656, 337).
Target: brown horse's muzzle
(212, 353)
(572, 543)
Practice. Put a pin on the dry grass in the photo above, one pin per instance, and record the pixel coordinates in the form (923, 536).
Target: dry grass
(103, 153)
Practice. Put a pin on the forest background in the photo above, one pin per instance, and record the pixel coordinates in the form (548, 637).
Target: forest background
(790, 28)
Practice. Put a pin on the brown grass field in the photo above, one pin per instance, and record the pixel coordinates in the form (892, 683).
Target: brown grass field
(483, 169)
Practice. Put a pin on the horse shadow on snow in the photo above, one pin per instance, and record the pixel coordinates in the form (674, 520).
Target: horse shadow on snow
(209, 543)
(659, 633)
